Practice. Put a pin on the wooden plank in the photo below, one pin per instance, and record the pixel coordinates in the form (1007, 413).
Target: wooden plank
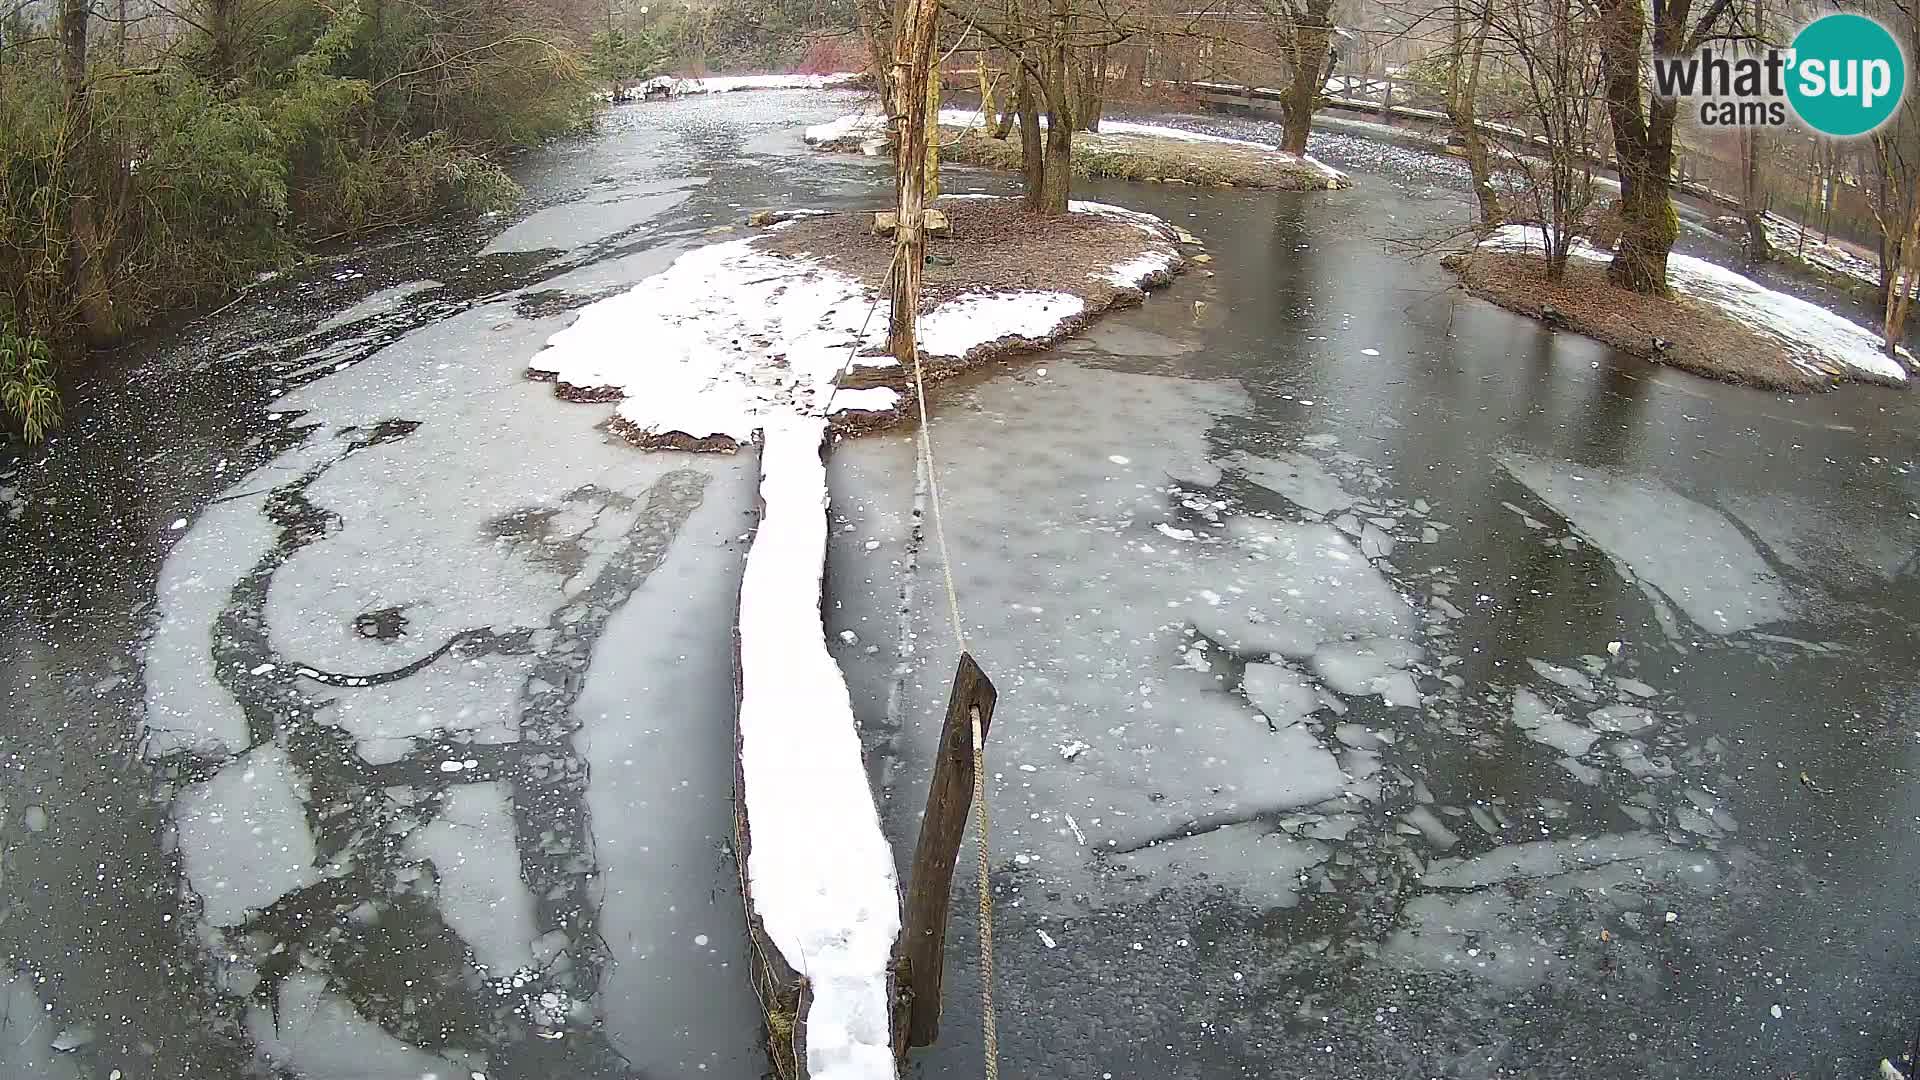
(930, 887)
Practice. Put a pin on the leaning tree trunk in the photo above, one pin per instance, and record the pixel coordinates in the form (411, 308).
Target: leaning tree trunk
(1311, 37)
(1462, 105)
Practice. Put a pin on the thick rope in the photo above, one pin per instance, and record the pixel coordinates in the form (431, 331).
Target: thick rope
(989, 1029)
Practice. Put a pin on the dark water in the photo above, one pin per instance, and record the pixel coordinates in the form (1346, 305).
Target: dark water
(408, 749)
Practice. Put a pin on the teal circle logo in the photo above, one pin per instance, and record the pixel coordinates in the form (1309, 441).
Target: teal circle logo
(1848, 75)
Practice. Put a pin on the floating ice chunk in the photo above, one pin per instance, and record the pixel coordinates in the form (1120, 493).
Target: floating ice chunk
(473, 848)
(1298, 478)
(1549, 728)
(1281, 693)
(1682, 551)
(1625, 719)
(244, 836)
(1565, 676)
(1263, 865)
(1430, 826)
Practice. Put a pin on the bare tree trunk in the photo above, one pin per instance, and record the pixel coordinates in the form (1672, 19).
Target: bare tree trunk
(1090, 101)
(1311, 37)
(1033, 162)
(1902, 279)
(1058, 181)
(874, 27)
(1462, 104)
(1643, 142)
(1752, 202)
(86, 255)
(912, 57)
(932, 181)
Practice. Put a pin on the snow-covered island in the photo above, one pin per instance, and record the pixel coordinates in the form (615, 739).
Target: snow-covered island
(1121, 150)
(1716, 322)
(792, 322)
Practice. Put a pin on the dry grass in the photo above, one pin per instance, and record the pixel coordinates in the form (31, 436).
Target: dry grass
(1698, 337)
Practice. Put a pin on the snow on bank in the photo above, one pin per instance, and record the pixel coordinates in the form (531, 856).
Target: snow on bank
(872, 129)
(819, 870)
(730, 336)
(1812, 337)
(727, 84)
(1786, 236)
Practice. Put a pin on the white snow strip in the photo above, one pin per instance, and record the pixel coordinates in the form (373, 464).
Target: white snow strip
(976, 318)
(1810, 334)
(874, 125)
(726, 84)
(1133, 272)
(819, 870)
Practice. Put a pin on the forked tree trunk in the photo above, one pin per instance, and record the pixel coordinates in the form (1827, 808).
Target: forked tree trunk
(1643, 143)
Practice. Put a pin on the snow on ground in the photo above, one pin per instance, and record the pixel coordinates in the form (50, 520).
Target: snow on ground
(735, 335)
(732, 335)
(819, 870)
(726, 84)
(1785, 235)
(1814, 338)
(873, 126)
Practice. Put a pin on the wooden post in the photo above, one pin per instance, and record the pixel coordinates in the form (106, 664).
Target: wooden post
(930, 888)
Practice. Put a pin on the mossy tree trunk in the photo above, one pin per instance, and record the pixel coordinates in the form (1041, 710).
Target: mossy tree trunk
(1643, 132)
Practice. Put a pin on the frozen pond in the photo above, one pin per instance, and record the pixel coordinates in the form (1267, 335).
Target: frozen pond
(1389, 686)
